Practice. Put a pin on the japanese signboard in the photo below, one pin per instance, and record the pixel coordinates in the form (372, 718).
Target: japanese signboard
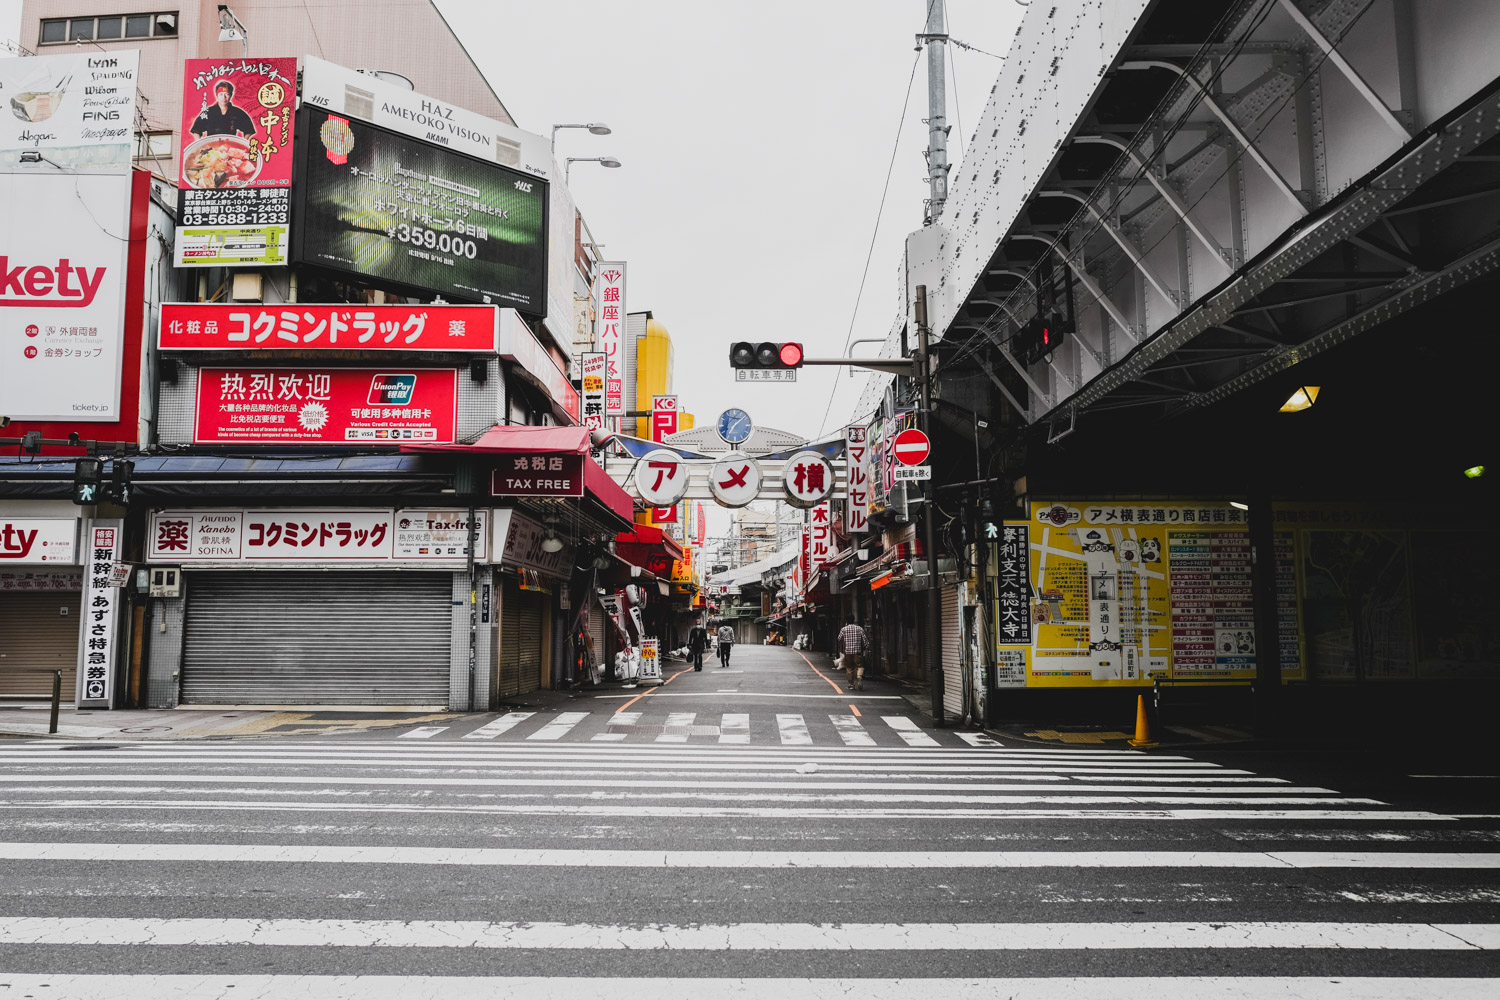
(857, 494)
(44, 580)
(235, 161)
(51, 540)
(376, 535)
(62, 295)
(544, 474)
(661, 478)
(650, 660)
(820, 536)
(518, 542)
(1013, 587)
(609, 333)
(76, 108)
(807, 479)
(206, 326)
(593, 369)
(388, 207)
(96, 645)
(663, 425)
(326, 405)
(734, 480)
(1118, 592)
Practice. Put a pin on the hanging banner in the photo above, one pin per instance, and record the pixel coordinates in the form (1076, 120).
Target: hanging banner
(664, 424)
(857, 493)
(609, 333)
(325, 405)
(820, 536)
(593, 369)
(234, 176)
(101, 598)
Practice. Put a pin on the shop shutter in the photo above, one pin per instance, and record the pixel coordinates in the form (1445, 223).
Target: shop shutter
(510, 642)
(35, 634)
(599, 629)
(530, 634)
(335, 638)
(952, 653)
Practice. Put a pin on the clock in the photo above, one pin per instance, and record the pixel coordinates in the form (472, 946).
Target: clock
(735, 426)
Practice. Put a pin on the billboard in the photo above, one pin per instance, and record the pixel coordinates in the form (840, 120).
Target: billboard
(609, 333)
(234, 171)
(63, 249)
(76, 109)
(234, 535)
(592, 366)
(309, 405)
(207, 326)
(388, 207)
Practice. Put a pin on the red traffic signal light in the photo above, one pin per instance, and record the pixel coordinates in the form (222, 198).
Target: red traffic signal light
(765, 355)
(791, 355)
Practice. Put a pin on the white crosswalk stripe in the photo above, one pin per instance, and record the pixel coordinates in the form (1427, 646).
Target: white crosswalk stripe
(678, 728)
(793, 730)
(558, 727)
(735, 728)
(499, 727)
(908, 731)
(423, 733)
(620, 724)
(851, 732)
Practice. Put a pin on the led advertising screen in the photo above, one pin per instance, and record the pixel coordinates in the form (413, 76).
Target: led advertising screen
(390, 207)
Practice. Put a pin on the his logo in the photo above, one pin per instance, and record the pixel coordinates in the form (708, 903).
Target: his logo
(523, 186)
(392, 390)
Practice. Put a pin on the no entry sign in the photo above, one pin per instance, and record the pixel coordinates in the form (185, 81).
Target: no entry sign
(912, 447)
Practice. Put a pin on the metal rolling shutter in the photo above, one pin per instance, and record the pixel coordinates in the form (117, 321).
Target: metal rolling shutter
(598, 626)
(510, 648)
(36, 635)
(336, 638)
(530, 636)
(952, 651)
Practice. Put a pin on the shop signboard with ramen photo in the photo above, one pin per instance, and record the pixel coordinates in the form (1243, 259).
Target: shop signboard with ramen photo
(235, 170)
(76, 109)
(399, 211)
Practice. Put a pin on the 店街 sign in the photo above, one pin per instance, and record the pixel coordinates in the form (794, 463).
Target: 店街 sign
(326, 405)
(235, 169)
(76, 108)
(197, 326)
(389, 207)
(408, 535)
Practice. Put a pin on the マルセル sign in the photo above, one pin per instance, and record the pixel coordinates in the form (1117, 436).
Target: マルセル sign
(274, 405)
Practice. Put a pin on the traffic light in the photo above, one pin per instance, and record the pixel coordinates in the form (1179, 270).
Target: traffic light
(1038, 339)
(768, 356)
(119, 481)
(87, 475)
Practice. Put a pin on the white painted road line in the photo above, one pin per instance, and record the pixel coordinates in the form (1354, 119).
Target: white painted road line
(558, 727)
(490, 730)
(978, 740)
(793, 730)
(298, 987)
(965, 937)
(852, 733)
(735, 728)
(423, 733)
(908, 731)
(892, 860)
(618, 725)
(680, 721)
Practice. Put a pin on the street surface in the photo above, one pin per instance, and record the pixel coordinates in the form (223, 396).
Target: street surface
(752, 832)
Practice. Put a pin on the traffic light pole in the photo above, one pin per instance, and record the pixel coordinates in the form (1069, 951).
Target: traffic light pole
(929, 516)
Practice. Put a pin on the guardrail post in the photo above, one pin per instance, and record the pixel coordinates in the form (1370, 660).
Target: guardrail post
(56, 700)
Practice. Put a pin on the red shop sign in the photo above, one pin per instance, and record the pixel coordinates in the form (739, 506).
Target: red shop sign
(539, 475)
(361, 406)
(194, 326)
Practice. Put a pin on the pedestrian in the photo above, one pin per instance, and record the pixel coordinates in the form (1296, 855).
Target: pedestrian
(726, 640)
(853, 645)
(697, 643)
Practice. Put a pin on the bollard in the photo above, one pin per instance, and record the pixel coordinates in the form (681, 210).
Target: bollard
(1142, 727)
(56, 699)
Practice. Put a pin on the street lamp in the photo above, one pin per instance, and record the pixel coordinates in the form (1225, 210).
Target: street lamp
(597, 128)
(606, 161)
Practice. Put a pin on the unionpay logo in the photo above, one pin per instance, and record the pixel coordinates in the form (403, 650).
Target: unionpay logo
(392, 390)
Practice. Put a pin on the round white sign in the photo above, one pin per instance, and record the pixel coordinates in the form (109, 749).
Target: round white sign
(734, 480)
(807, 479)
(661, 478)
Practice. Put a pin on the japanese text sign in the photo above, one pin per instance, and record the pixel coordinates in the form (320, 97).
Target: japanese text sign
(518, 542)
(195, 326)
(857, 494)
(326, 405)
(807, 479)
(593, 367)
(542, 474)
(661, 478)
(38, 540)
(609, 333)
(100, 607)
(663, 425)
(377, 535)
(734, 480)
(1013, 586)
(820, 536)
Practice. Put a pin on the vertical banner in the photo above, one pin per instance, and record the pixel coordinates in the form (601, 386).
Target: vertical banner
(857, 495)
(609, 334)
(1013, 588)
(663, 424)
(234, 178)
(593, 368)
(820, 536)
(96, 646)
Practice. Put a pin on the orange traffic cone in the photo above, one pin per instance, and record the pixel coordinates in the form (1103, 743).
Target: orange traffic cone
(1142, 727)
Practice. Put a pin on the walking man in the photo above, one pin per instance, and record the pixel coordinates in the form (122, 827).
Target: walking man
(853, 644)
(726, 640)
(697, 643)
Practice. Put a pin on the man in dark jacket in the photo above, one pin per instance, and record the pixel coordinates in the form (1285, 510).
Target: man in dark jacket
(697, 643)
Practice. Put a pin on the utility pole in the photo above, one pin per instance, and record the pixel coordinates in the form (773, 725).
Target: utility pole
(923, 371)
(936, 39)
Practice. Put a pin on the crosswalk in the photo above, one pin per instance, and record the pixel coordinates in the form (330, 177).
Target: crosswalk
(728, 728)
(834, 858)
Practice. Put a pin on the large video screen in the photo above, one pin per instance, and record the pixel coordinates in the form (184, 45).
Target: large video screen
(387, 206)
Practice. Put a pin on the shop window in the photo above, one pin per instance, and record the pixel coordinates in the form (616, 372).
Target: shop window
(81, 31)
(153, 145)
(110, 27)
(54, 31)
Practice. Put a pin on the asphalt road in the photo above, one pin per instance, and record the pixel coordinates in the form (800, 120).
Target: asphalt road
(752, 832)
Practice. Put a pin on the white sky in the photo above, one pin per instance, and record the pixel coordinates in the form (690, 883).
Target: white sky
(755, 139)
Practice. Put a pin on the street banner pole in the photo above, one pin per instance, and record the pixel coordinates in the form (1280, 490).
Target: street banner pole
(930, 648)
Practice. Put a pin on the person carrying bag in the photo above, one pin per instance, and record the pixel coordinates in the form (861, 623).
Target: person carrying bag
(726, 641)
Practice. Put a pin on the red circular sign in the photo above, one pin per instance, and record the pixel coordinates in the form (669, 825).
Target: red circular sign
(911, 447)
(30, 351)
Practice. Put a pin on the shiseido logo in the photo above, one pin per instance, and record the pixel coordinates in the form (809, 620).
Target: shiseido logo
(392, 390)
(64, 286)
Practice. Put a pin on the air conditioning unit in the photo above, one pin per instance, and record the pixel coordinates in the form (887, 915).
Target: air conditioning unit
(166, 24)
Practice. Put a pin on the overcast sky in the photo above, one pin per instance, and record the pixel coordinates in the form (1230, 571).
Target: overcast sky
(755, 139)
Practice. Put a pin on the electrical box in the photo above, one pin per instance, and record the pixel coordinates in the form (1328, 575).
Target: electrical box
(166, 581)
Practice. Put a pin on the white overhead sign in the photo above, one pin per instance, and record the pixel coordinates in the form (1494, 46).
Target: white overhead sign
(609, 333)
(661, 478)
(77, 109)
(50, 540)
(382, 535)
(807, 479)
(857, 471)
(734, 480)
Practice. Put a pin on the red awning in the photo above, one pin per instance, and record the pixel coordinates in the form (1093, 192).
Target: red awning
(502, 440)
(596, 483)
